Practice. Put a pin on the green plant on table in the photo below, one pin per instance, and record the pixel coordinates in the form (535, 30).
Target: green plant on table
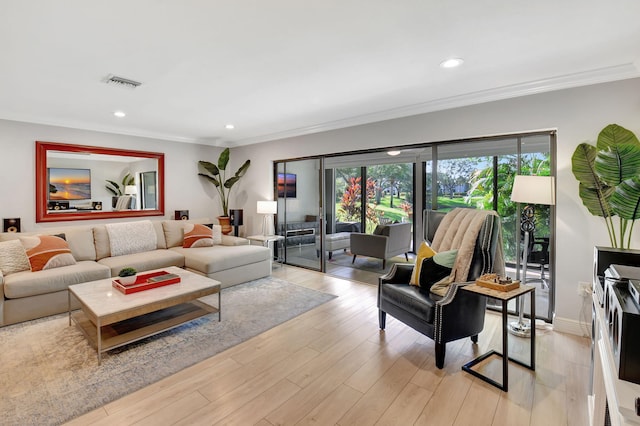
(127, 272)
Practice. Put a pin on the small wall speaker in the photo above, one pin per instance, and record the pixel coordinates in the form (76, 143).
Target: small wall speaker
(58, 205)
(11, 224)
(236, 217)
(181, 215)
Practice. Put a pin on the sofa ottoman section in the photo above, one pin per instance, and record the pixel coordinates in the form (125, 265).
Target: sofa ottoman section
(229, 265)
(334, 242)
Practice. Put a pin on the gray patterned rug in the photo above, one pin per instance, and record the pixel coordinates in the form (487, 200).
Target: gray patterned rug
(50, 374)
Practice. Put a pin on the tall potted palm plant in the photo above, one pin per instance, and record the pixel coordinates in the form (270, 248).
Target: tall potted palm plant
(609, 176)
(217, 175)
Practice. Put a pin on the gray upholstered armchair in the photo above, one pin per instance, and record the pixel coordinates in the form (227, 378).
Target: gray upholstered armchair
(459, 313)
(385, 242)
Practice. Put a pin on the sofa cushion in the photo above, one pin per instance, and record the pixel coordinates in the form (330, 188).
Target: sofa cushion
(101, 241)
(157, 226)
(131, 237)
(173, 232)
(13, 257)
(81, 243)
(196, 235)
(27, 283)
(47, 252)
(219, 258)
(154, 259)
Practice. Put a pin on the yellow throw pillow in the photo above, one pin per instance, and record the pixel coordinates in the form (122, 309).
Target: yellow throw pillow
(424, 252)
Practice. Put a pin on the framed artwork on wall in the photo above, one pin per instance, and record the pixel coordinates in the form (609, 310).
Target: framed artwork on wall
(286, 185)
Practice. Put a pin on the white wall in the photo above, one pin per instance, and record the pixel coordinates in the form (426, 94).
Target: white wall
(184, 189)
(577, 114)
(307, 197)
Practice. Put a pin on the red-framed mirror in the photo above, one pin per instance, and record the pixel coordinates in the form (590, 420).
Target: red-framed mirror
(81, 182)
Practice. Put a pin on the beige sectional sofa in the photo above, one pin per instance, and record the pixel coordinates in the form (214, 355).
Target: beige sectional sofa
(28, 295)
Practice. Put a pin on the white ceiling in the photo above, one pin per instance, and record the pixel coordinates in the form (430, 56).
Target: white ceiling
(288, 67)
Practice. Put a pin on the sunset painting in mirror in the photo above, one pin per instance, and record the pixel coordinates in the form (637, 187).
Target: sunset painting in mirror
(69, 184)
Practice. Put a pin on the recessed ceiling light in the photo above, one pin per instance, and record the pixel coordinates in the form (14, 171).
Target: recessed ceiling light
(451, 63)
(119, 114)
(394, 153)
(229, 126)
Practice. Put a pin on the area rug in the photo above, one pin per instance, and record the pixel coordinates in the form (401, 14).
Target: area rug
(50, 374)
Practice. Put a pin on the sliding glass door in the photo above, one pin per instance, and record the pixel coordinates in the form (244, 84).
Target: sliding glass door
(480, 174)
(299, 218)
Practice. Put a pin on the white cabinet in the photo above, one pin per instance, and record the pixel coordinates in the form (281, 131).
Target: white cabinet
(607, 390)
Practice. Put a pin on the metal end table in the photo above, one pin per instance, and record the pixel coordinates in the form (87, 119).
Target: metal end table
(504, 297)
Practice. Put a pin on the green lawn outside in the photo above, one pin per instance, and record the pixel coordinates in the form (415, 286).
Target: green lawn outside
(397, 214)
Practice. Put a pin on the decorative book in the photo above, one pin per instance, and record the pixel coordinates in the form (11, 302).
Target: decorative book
(147, 282)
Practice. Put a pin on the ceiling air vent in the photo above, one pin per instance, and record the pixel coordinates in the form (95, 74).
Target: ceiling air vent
(121, 81)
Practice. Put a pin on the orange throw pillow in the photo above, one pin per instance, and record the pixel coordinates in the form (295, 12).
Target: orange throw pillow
(47, 252)
(196, 235)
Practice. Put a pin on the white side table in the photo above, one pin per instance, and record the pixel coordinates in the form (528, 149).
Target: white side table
(271, 241)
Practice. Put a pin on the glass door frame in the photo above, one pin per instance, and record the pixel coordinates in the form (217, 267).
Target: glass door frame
(282, 212)
(419, 179)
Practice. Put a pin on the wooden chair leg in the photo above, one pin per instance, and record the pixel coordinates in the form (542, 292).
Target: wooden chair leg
(406, 256)
(354, 258)
(382, 319)
(384, 263)
(440, 351)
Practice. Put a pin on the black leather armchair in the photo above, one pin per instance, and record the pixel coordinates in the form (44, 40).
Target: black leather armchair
(459, 313)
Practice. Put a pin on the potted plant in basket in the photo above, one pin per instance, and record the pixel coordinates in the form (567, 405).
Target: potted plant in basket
(609, 176)
(127, 275)
(217, 175)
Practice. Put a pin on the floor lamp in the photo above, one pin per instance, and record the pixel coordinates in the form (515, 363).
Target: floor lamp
(268, 209)
(529, 190)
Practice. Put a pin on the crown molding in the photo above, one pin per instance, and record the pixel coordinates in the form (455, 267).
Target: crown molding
(586, 78)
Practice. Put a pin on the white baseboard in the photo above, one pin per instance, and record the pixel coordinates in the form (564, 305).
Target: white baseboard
(566, 325)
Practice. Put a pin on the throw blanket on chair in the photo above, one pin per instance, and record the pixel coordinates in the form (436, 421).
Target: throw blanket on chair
(459, 229)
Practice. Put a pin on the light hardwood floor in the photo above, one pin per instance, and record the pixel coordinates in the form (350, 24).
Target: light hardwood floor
(332, 365)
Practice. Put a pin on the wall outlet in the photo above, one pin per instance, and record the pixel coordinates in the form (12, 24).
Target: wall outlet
(584, 289)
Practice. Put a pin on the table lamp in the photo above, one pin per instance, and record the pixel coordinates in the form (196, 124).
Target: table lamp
(268, 209)
(529, 190)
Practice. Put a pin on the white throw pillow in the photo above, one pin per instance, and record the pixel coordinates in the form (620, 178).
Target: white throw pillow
(13, 257)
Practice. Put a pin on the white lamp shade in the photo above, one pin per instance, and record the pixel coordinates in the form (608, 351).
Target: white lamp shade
(534, 190)
(130, 190)
(267, 207)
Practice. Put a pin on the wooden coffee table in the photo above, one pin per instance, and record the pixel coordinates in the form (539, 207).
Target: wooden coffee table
(110, 319)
